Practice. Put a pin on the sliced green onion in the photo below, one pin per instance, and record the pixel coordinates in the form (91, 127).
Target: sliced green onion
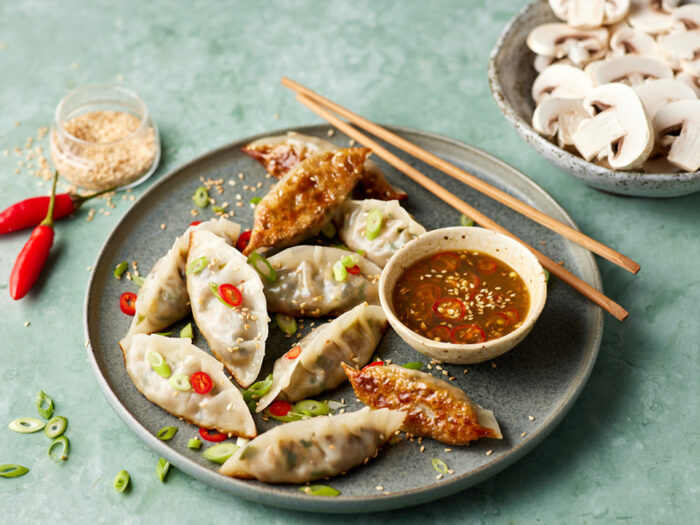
(162, 469)
(180, 382)
(56, 427)
(361, 252)
(340, 272)
(218, 209)
(120, 269)
(220, 453)
(138, 280)
(62, 442)
(439, 465)
(546, 275)
(194, 443)
(26, 425)
(186, 332)
(121, 481)
(287, 418)
(255, 200)
(158, 364)
(341, 247)
(374, 224)
(201, 197)
(166, 433)
(286, 323)
(215, 290)
(350, 260)
(268, 272)
(320, 490)
(311, 407)
(164, 334)
(256, 391)
(329, 230)
(44, 405)
(466, 221)
(414, 365)
(197, 265)
(12, 471)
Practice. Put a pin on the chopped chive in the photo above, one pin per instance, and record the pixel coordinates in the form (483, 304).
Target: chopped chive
(256, 391)
(187, 331)
(440, 466)
(158, 363)
(414, 365)
(218, 209)
(220, 453)
(546, 275)
(350, 260)
(26, 425)
(194, 443)
(180, 382)
(197, 265)
(341, 247)
(374, 224)
(56, 427)
(255, 200)
(329, 230)
(62, 442)
(120, 269)
(466, 221)
(286, 323)
(138, 280)
(12, 471)
(361, 252)
(166, 433)
(320, 490)
(164, 334)
(121, 481)
(268, 272)
(162, 469)
(311, 407)
(201, 197)
(340, 272)
(44, 405)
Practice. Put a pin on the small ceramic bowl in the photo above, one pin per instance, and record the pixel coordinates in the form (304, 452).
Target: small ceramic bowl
(485, 241)
(511, 74)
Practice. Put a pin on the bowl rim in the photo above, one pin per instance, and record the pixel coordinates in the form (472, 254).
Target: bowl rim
(530, 319)
(525, 127)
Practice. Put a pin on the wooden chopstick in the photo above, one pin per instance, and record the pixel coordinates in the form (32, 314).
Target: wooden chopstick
(470, 180)
(577, 284)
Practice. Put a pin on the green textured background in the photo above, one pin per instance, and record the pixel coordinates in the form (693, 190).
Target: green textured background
(629, 450)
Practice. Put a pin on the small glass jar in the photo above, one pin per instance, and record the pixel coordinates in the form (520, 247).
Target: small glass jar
(103, 137)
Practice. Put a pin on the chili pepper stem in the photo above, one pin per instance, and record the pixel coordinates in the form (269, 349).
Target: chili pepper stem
(78, 200)
(48, 221)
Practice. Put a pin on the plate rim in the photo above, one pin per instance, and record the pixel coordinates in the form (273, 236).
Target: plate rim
(347, 504)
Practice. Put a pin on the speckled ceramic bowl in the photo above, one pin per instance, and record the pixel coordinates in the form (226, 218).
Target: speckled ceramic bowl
(485, 241)
(511, 74)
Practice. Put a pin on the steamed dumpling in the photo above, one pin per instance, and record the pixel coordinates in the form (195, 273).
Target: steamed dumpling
(306, 285)
(397, 228)
(434, 408)
(310, 449)
(162, 299)
(349, 339)
(236, 335)
(223, 408)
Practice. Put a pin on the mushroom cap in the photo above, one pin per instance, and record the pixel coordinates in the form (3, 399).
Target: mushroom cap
(690, 80)
(560, 41)
(589, 14)
(686, 17)
(683, 47)
(559, 116)
(542, 62)
(618, 127)
(629, 69)
(562, 81)
(630, 41)
(655, 94)
(681, 118)
(652, 16)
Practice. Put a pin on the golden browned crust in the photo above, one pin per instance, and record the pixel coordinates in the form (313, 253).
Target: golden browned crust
(454, 420)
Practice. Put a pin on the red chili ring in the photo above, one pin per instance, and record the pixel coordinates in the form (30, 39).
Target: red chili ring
(486, 267)
(462, 308)
(353, 269)
(427, 292)
(243, 240)
(444, 336)
(293, 353)
(472, 329)
(201, 382)
(214, 438)
(512, 314)
(450, 259)
(280, 408)
(195, 223)
(127, 303)
(373, 363)
(231, 295)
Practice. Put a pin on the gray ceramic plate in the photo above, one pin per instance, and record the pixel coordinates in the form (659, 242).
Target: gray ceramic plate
(511, 75)
(541, 378)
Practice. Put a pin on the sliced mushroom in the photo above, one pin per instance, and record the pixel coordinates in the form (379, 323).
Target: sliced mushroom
(686, 17)
(542, 62)
(683, 47)
(657, 93)
(561, 80)
(629, 69)
(617, 129)
(630, 41)
(559, 117)
(690, 80)
(560, 41)
(588, 14)
(680, 120)
(652, 16)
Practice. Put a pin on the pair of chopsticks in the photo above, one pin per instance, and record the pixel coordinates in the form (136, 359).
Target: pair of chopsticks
(314, 102)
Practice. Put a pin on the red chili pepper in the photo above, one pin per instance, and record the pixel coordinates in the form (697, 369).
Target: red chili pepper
(280, 408)
(512, 314)
(468, 334)
(243, 240)
(127, 303)
(353, 270)
(449, 260)
(31, 260)
(201, 382)
(231, 295)
(373, 363)
(439, 331)
(486, 267)
(195, 223)
(427, 292)
(293, 353)
(30, 212)
(441, 307)
(214, 438)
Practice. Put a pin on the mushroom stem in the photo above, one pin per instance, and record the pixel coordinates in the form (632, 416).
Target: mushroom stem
(685, 151)
(595, 135)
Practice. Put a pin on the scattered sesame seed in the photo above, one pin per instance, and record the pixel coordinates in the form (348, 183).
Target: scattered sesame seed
(379, 488)
(422, 448)
(439, 476)
(531, 418)
(162, 226)
(523, 434)
(26, 323)
(489, 452)
(351, 142)
(493, 365)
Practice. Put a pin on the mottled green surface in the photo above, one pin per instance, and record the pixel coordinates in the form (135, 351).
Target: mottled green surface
(629, 449)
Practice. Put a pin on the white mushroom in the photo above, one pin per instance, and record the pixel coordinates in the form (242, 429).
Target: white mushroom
(559, 117)
(560, 41)
(561, 80)
(618, 128)
(657, 93)
(542, 62)
(630, 41)
(686, 17)
(629, 69)
(690, 80)
(652, 16)
(680, 120)
(588, 14)
(683, 47)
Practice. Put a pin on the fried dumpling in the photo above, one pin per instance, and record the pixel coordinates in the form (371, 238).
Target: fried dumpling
(315, 448)
(281, 153)
(162, 299)
(397, 228)
(306, 284)
(222, 408)
(434, 408)
(236, 334)
(306, 198)
(313, 364)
